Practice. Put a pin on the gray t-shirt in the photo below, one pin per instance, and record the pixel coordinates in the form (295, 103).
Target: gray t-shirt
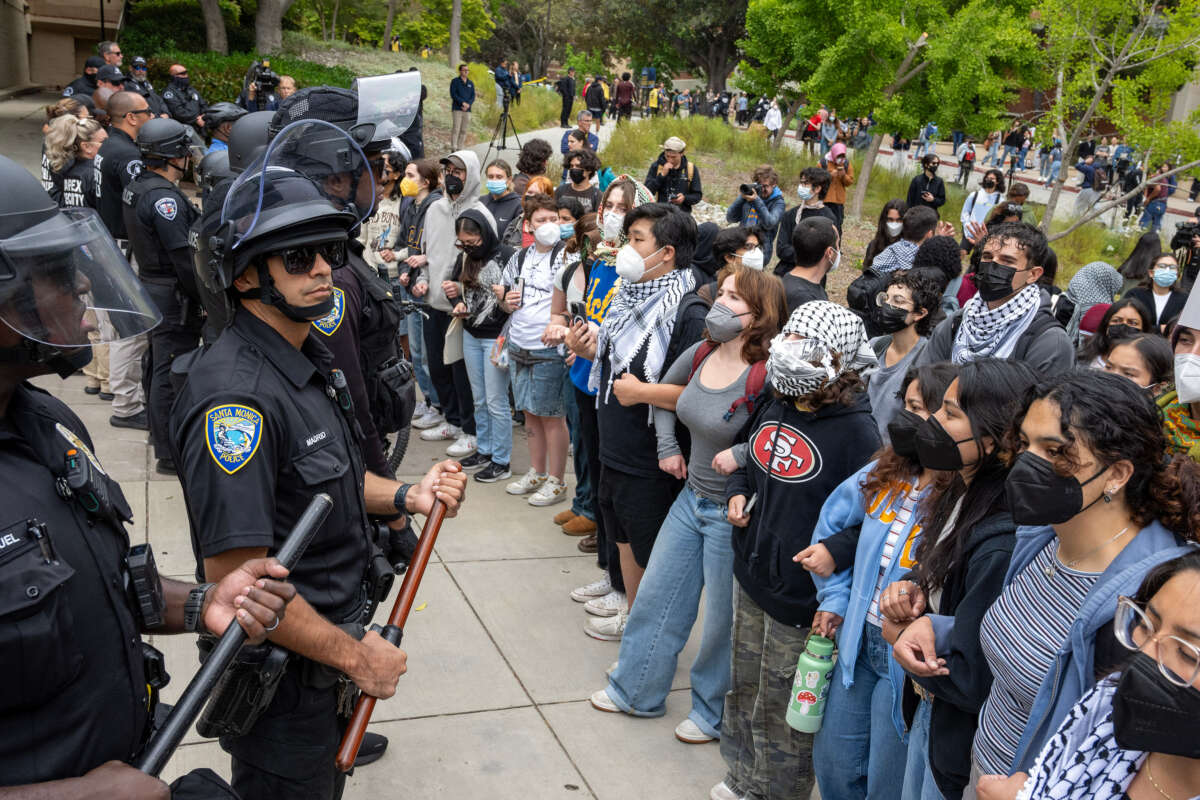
(883, 382)
(703, 411)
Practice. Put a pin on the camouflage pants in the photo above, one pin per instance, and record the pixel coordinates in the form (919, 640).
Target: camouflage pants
(767, 758)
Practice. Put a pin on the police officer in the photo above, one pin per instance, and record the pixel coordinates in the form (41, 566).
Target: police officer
(184, 103)
(140, 83)
(85, 84)
(212, 170)
(219, 119)
(362, 330)
(74, 707)
(158, 216)
(261, 423)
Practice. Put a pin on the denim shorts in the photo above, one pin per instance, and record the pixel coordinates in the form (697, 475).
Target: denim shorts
(537, 380)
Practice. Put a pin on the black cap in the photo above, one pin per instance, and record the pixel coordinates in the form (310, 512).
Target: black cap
(110, 74)
(93, 62)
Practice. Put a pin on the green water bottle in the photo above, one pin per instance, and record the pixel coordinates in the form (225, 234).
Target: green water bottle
(814, 670)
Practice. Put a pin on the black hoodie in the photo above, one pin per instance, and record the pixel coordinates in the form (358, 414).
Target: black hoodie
(807, 454)
(480, 297)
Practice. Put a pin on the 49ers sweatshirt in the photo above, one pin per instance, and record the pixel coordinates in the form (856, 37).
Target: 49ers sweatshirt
(795, 459)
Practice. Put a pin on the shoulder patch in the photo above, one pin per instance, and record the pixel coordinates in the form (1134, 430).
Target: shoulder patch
(67, 92)
(79, 445)
(167, 208)
(134, 168)
(233, 433)
(168, 95)
(329, 323)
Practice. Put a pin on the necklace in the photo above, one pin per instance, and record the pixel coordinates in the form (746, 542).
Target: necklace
(1154, 783)
(1052, 568)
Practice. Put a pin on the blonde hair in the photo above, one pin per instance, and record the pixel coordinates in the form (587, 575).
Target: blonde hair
(65, 106)
(64, 137)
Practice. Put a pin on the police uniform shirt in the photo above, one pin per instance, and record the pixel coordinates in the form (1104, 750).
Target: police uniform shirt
(79, 185)
(73, 693)
(255, 436)
(84, 84)
(183, 105)
(157, 218)
(146, 90)
(117, 163)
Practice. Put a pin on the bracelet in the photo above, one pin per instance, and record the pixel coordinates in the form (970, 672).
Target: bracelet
(401, 497)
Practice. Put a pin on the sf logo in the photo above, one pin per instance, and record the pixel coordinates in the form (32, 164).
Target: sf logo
(785, 453)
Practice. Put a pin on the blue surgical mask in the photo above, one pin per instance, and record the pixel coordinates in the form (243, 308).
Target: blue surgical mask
(566, 229)
(1165, 276)
(497, 187)
(804, 192)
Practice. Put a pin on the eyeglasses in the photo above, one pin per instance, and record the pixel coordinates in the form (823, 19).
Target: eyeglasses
(1178, 661)
(141, 111)
(882, 298)
(461, 245)
(300, 260)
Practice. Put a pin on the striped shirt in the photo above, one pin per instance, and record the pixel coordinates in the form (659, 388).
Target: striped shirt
(1020, 635)
(903, 515)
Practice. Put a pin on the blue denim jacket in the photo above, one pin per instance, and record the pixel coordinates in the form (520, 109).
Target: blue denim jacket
(848, 593)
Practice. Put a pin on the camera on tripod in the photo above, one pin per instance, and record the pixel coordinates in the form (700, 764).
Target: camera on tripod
(263, 77)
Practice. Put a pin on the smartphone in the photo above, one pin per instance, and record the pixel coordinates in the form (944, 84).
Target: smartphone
(577, 312)
(750, 504)
(519, 287)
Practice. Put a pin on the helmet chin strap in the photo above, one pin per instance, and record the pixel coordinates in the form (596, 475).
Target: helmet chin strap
(63, 362)
(267, 294)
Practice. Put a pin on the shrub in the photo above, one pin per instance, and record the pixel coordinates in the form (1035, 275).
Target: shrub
(539, 107)
(217, 77)
(155, 26)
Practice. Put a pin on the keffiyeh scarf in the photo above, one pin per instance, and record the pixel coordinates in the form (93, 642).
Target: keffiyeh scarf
(799, 367)
(993, 333)
(1094, 284)
(1083, 761)
(640, 313)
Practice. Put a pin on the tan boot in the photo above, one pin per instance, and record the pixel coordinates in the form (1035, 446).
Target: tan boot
(580, 526)
(563, 517)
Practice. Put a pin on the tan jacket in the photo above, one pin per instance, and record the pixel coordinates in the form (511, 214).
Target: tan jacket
(838, 184)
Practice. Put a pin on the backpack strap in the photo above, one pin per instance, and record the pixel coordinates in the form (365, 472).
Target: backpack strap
(756, 381)
(702, 352)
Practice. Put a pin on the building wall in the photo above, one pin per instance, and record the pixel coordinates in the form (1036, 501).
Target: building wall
(52, 57)
(14, 52)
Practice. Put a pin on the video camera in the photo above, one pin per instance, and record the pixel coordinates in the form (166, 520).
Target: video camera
(751, 188)
(263, 77)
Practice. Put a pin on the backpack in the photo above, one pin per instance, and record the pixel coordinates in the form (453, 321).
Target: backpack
(703, 295)
(969, 155)
(755, 381)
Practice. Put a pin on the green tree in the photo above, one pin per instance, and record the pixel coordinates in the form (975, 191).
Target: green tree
(432, 26)
(1121, 61)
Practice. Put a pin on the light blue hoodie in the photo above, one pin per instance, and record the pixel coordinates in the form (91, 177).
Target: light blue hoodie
(848, 593)
(1074, 668)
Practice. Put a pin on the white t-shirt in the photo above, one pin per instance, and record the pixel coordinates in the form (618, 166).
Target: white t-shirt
(1160, 304)
(528, 322)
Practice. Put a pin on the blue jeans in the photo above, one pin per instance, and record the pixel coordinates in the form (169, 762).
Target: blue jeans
(693, 552)
(993, 154)
(918, 778)
(1055, 168)
(583, 503)
(1153, 215)
(416, 347)
(489, 390)
(858, 753)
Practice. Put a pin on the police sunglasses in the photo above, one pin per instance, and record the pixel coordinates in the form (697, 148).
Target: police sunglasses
(300, 260)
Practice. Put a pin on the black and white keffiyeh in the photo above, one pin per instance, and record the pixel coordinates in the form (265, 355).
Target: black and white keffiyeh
(993, 333)
(800, 366)
(639, 313)
(1083, 761)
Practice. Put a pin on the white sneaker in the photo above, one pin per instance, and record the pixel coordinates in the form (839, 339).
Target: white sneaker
(421, 410)
(441, 432)
(722, 792)
(530, 481)
(607, 629)
(463, 446)
(430, 418)
(602, 702)
(609, 605)
(689, 732)
(552, 491)
(595, 589)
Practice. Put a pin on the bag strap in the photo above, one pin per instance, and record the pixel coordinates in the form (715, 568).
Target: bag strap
(705, 349)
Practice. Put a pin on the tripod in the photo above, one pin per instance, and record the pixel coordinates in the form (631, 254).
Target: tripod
(503, 126)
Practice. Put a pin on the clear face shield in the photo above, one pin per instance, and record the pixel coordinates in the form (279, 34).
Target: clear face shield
(389, 104)
(53, 274)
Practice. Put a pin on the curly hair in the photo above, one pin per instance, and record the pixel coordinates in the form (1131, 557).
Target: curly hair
(1117, 421)
(842, 390)
(534, 155)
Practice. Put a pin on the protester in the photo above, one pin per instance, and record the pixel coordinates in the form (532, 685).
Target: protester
(980, 202)
(888, 230)
(1124, 318)
(537, 372)
(762, 208)
(673, 179)
(816, 248)
(814, 182)
(904, 316)
(581, 167)
(1094, 284)
(841, 176)
(420, 185)
(1180, 404)
(1158, 293)
(721, 379)
(810, 435)
(967, 538)
(1136, 268)
(531, 163)
(927, 189)
(501, 200)
(1145, 359)
(918, 224)
(1010, 316)
(865, 538)
(476, 270)
(737, 246)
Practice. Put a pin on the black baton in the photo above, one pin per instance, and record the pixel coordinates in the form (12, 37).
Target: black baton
(163, 745)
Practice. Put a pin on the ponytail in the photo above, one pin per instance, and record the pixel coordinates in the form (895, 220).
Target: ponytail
(1174, 497)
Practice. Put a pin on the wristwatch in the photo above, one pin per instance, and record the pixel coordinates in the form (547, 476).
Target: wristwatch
(401, 498)
(193, 606)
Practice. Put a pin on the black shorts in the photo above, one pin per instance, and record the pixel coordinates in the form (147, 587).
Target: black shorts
(634, 508)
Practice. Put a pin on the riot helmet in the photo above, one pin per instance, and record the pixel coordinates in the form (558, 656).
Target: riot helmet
(160, 140)
(247, 139)
(218, 114)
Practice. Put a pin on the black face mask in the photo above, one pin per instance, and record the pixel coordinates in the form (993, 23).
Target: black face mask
(888, 319)
(181, 81)
(937, 449)
(902, 430)
(454, 185)
(994, 281)
(1153, 715)
(478, 253)
(1121, 331)
(576, 175)
(1064, 309)
(989, 184)
(1037, 495)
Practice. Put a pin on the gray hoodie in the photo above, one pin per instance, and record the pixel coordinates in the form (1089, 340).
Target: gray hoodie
(438, 238)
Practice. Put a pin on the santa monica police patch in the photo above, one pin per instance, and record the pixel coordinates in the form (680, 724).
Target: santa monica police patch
(330, 322)
(233, 433)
